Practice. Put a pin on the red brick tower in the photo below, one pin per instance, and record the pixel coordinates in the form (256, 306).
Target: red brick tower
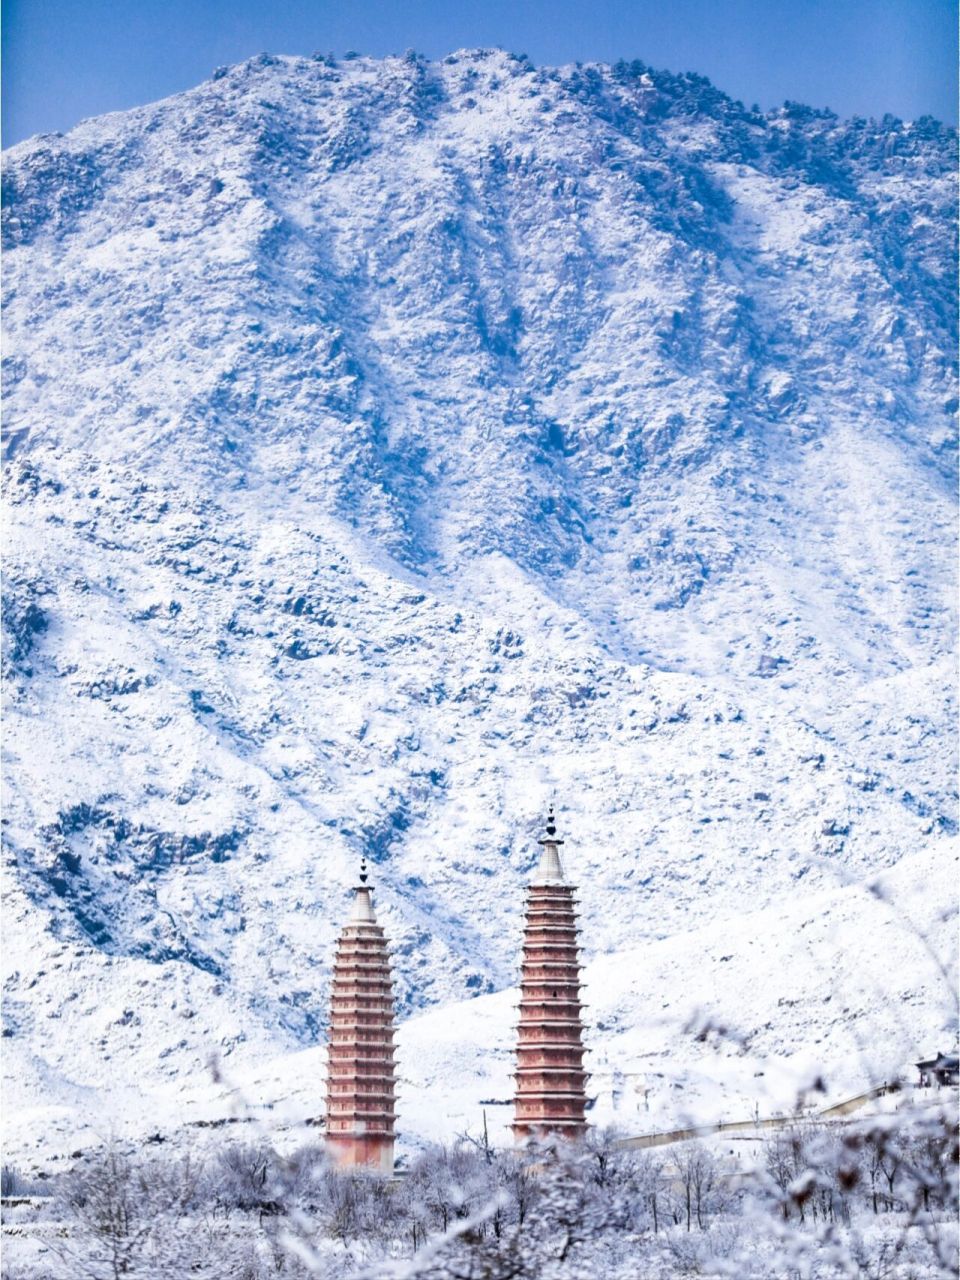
(360, 1071)
(550, 1093)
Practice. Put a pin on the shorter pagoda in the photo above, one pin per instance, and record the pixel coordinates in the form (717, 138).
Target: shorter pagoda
(550, 1079)
(360, 1069)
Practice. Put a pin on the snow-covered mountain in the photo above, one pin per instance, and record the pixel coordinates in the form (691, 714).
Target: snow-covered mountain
(394, 446)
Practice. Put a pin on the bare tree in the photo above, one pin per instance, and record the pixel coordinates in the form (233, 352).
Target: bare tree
(124, 1213)
(109, 1209)
(553, 1211)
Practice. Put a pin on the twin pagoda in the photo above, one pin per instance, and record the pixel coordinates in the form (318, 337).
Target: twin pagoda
(550, 1091)
(361, 1080)
(550, 1080)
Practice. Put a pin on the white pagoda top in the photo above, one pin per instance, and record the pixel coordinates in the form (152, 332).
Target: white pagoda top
(550, 870)
(362, 912)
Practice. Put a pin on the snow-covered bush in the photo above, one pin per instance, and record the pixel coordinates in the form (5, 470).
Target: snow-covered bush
(854, 1198)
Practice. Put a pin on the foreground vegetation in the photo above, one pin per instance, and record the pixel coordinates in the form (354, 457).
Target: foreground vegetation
(875, 1198)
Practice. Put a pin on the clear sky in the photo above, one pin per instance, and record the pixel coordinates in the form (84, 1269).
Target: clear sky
(64, 60)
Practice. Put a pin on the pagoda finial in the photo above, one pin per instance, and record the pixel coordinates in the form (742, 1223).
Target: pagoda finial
(551, 830)
(550, 867)
(362, 906)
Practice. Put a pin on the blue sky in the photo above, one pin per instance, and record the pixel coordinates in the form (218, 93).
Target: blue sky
(68, 59)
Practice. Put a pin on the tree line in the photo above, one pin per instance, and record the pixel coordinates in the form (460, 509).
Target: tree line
(875, 1198)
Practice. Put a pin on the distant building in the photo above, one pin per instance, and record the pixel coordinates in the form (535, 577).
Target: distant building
(360, 1072)
(550, 1079)
(941, 1070)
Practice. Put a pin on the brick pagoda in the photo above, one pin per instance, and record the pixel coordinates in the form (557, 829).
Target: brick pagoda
(550, 1090)
(360, 1073)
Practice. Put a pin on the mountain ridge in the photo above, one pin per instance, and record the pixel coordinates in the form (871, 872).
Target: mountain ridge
(395, 446)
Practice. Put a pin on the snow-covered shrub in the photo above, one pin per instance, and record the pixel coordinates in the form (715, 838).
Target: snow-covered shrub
(855, 1198)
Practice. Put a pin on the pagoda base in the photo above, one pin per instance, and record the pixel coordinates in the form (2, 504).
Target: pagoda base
(361, 1151)
(568, 1129)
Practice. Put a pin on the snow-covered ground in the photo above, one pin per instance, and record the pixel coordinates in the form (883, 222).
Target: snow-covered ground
(394, 447)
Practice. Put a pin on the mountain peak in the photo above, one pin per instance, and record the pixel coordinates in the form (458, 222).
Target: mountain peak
(395, 444)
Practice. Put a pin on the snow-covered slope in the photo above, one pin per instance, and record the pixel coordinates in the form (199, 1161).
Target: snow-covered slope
(394, 446)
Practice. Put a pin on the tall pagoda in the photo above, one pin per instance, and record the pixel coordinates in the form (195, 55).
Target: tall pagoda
(550, 1080)
(360, 1071)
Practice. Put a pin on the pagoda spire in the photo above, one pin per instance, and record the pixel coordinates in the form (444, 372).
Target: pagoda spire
(550, 1092)
(362, 912)
(361, 1078)
(550, 868)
